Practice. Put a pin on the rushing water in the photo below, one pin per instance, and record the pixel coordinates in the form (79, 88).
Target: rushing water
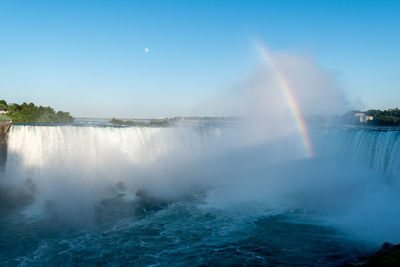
(195, 194)
(377, 148)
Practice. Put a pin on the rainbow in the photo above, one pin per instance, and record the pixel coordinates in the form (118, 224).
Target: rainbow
(294, 106)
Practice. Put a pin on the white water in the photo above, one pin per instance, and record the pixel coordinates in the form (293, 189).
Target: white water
(347, 183)
(74, 167)
(45, 146)
(377, 149)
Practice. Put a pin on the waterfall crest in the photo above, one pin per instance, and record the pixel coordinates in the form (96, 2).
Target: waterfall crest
(378, 149)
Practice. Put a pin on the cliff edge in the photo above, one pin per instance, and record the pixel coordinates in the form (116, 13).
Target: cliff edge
(4, 129)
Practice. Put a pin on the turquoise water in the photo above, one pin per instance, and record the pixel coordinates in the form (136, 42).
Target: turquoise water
(180, 233)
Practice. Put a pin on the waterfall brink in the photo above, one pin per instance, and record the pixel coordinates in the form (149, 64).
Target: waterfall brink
(69, 149)
(378, 149)
(38, 146)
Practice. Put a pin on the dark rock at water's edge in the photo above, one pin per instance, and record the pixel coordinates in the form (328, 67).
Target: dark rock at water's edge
(4, 129)
(16, 197)
(387, 255)
(121, 204)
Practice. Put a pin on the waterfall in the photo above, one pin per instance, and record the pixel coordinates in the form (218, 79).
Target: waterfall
(93, 152)
(378, 149)
(71, 148)
(84, 174)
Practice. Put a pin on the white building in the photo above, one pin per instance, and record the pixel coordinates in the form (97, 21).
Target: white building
(3, 112)
(363, 117)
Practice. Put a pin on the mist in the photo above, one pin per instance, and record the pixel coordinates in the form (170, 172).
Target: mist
(78, 175)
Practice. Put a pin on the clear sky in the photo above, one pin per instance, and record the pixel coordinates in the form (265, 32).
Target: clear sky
(89, 57)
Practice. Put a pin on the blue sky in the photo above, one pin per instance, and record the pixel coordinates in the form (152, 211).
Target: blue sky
(88, 57)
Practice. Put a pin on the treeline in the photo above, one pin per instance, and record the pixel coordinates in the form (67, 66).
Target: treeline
(30, 113)
(154, 122)
(385, 117)
(390, 117)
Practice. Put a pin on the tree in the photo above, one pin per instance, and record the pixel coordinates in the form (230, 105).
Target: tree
(30, 113)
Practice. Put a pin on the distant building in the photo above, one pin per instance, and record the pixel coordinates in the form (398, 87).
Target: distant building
(363, 117)
(3, 112)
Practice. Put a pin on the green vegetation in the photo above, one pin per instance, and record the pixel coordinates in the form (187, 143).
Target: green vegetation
(4, 118)
(390, 117)
(170, 121)
(160, 123)
(385, 117)
(29, 113)
(3, 105)
(127, 122)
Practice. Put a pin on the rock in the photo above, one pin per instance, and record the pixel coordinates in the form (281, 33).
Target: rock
(4, 129)
(142, 193)
(13, 198)
(388, 255)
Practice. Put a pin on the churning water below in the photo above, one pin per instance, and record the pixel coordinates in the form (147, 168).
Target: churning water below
(195, 195)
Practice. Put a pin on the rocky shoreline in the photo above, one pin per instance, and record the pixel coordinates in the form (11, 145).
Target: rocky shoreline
(4, 129)
(388, 255)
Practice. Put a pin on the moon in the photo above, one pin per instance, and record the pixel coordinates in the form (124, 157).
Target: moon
(146, 50)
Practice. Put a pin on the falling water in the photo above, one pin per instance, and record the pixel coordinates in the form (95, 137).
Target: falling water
(195, 194)
(379, 149)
